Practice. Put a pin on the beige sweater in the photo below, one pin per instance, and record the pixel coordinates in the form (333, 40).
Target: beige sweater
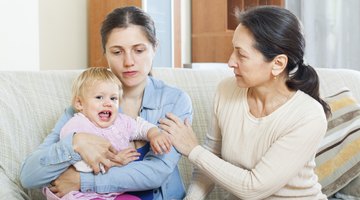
(260, 158)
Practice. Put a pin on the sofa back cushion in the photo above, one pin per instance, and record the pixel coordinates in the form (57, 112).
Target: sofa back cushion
(30, 104)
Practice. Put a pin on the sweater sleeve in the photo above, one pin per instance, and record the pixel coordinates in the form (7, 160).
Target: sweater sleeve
(141, 129)
(71, 126)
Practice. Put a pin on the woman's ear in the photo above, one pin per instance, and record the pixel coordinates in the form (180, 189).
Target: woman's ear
(78, 104)
(279, 64)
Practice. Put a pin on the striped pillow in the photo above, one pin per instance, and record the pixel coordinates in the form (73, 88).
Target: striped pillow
(339, 154)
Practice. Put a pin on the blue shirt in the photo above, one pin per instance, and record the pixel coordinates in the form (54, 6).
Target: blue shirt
(158, 173)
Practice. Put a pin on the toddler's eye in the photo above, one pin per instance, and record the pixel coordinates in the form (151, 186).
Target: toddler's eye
(99, 97)
(114, 98)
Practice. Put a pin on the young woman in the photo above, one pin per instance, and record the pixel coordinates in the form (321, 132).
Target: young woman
(268, 119)
(129, 44)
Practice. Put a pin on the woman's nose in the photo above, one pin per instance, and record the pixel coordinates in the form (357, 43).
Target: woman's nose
(232, 62)
(129, 60)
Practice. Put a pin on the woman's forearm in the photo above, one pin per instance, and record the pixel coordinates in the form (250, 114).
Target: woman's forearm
(147, 174)
(50, 159)
(47, 163)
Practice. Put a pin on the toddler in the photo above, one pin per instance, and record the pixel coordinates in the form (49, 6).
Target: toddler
(95, 97)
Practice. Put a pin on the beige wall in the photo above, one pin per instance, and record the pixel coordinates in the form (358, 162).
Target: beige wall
(63, 34)
(52, 34)
(19, 35)
(186, 31)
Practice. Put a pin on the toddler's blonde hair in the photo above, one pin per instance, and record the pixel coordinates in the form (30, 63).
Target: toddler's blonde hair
(90, 77)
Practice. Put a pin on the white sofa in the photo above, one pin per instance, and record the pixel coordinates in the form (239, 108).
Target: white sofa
(31, 103)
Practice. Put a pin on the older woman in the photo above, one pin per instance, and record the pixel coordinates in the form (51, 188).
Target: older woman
(267, 121)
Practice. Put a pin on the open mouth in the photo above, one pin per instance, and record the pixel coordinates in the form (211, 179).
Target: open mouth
(105, 115)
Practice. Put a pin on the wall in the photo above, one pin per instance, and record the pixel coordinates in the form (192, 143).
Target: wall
(63, 34)
(19, 35)
(186, 31)
(52, 34)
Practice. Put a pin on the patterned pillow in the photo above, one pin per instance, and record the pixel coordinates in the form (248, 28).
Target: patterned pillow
(339, 154)
(352, 189)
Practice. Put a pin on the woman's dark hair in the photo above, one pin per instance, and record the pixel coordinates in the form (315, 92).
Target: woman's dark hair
(277, 31)
(124, 17)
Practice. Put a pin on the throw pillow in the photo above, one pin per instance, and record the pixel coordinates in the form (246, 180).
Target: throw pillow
(339, 154)
(352, 189)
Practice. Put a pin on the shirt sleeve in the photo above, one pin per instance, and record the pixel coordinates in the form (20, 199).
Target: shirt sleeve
(51, 158)
(153, 170)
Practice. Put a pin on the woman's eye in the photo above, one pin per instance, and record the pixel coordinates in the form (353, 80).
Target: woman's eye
(240, 55)
(139, 50)
(117, 52)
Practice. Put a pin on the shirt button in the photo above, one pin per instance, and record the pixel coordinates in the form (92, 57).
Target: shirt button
(69, 157)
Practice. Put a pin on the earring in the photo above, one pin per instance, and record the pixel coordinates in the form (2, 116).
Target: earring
(275, 77)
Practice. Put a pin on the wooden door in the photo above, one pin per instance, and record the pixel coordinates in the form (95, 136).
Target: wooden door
(213, 24)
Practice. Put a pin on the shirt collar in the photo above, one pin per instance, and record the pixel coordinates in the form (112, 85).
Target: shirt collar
(150, 95)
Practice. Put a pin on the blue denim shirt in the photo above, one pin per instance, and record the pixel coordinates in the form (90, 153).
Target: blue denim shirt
(53, 157)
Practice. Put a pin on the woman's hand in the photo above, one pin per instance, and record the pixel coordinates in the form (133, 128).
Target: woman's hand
(125, 156)
(94, 150)
(182, 136)
(66, 182)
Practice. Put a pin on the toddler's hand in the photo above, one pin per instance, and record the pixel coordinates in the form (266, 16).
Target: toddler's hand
(160, 143)
(125, 156)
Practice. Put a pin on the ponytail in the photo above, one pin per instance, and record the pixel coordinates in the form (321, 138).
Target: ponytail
(306, 79)
(277, 31)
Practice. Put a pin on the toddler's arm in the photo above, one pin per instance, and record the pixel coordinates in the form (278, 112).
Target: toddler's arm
(159, 141)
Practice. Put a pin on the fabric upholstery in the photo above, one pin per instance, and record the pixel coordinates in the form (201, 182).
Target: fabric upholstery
(338, 156)
(352, 189)
(31, 103)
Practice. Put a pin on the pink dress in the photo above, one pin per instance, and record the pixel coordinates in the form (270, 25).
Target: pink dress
(123, 130)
